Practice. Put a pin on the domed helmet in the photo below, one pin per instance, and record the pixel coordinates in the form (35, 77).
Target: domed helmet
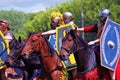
(5, 24)
(104, 14)
(56, 19)
(67, 17)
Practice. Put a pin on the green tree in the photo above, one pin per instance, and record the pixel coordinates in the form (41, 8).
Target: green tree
(15, 18)
(90, 8)
(21, 23)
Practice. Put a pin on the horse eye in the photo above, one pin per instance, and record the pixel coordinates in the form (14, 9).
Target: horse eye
(33, 41)
(69, 39)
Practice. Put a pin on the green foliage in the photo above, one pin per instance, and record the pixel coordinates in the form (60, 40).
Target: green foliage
(16, 20)
(90, 8)
(21, 23)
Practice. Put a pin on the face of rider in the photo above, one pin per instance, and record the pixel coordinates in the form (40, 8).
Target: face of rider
(66, 19)
(55, 22)
(2, 27)
(102, 19)
(103, 15)
(54, 25)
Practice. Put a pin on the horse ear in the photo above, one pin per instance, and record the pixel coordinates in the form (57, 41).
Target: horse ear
(75, 28)
(19, 39)
(35, 38)
(40, 33)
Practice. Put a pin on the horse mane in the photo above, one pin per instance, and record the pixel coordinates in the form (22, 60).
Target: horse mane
(77, 39)
(76, 36)
(49, 45)
(85, 56)
(43, 36)
(16, 47)
(31, 33)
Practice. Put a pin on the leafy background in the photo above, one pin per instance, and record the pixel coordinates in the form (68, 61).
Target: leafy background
(22, 23)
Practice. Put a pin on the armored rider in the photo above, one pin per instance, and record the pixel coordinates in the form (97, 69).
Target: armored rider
(104, 14)
(4, 27)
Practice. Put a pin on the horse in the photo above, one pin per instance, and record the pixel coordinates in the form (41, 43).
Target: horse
(15, 67)
(10, 65)
(51, 65)
(87, 68)
(27, 67)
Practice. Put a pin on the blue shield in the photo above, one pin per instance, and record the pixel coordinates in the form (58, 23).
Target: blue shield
(4, 50)
(110, 45)
(52, 40)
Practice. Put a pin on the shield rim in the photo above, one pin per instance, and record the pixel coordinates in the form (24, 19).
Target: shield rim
(7, 45)
(62, 26)
(101, 46)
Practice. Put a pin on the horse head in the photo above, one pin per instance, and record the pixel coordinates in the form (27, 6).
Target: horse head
(84, 56)
(49, 59)
(71, 43)
(32, 44)
(16, 46)
(67, 44)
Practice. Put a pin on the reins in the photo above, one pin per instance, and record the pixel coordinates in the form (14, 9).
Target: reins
(72, 50)
(75, 48)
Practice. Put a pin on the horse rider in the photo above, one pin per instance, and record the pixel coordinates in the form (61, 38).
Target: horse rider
(68, 18)
(104, 14)
(4, 27)
(97, 28)
(56, 20)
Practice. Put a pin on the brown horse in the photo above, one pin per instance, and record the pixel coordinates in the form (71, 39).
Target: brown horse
(50, 62)
(87, 68)
(27, 68)
(13, 65)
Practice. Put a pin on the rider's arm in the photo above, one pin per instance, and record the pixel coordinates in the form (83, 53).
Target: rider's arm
(9, 38)
(80, 29)
(49, 32)
(94, 42)
(92, 28)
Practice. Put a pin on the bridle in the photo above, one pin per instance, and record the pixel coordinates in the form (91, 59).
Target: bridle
(28, 54)
(72, 49)
(49, 54)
